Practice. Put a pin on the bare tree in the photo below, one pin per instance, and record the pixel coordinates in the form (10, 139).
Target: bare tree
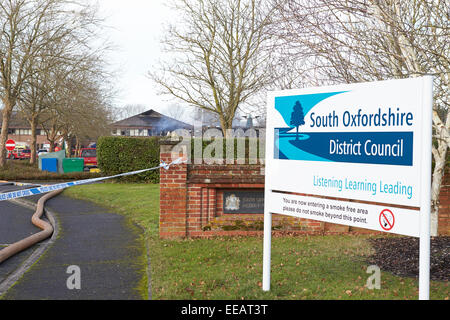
(38, 87)
(77, 105)
(32, 104)
(27, 29)
(52, 82)
(220, 55)
(90, 114)
(364, 40)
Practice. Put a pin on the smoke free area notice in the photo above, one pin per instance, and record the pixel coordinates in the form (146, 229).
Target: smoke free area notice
(361, 215)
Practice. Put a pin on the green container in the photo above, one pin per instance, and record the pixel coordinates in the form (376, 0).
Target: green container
(73, 165)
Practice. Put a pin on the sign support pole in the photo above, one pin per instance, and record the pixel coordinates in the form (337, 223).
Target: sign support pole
(267, 248)
(424, 248)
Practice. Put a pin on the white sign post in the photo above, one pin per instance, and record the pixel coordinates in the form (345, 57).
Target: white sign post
(357, 155)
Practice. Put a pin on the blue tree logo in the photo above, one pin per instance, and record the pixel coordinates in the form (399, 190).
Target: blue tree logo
(297, 117)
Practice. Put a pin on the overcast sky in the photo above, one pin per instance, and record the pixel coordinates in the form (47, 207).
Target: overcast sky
(135, 27)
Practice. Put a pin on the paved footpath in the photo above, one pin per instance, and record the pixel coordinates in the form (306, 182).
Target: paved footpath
(109, 250)
(11, 216)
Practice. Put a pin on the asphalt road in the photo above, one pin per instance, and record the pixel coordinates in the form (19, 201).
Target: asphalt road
(106, 248)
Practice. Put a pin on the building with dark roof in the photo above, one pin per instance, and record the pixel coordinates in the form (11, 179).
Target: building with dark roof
(147, 124)
(19, 130)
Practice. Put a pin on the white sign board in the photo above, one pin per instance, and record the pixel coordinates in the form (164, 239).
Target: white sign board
(360, 142)
(371, 142)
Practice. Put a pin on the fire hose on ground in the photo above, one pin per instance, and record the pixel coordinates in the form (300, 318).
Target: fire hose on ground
(47, 230)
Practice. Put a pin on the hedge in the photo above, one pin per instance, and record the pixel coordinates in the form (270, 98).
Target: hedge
(124, 154)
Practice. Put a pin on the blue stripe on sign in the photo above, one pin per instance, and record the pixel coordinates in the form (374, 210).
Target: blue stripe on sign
(388, 148)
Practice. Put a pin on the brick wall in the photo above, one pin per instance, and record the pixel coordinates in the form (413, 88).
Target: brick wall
(444, 206)
(191, 203)
(206, 184)
(173, 197)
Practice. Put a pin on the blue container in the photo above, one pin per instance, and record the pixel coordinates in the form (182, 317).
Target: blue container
(50, 164)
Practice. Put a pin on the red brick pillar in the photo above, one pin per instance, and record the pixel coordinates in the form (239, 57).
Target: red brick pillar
(173, 196)
(444, 207)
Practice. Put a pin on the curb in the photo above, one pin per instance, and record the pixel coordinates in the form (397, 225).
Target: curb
(148, 269)
(6, 284)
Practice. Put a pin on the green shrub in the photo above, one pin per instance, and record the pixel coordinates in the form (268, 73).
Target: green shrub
(124, 154)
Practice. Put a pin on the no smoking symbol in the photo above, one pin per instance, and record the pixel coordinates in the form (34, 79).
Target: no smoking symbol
(387, 219)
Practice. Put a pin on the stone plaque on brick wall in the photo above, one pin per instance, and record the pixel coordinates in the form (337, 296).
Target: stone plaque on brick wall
(238, 201)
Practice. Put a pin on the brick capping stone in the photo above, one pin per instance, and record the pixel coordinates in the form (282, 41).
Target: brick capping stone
(191, 202)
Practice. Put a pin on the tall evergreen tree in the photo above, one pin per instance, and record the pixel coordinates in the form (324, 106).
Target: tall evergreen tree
(297, 116)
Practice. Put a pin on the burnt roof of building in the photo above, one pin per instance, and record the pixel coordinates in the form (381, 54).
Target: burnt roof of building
(151, 118)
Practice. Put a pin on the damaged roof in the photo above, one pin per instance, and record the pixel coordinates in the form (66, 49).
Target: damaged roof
(151, 119)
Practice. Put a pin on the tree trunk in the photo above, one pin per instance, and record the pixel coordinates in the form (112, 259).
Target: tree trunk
(69, 147)
(52, 145)
(7, 111)
(77, 147)
(51, 137)
(226, 126)
(33, 124)
(440, 155)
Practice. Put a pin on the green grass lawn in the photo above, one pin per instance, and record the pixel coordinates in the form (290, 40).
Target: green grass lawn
(303, 267)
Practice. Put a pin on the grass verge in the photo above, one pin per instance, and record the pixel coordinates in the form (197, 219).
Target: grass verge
(303, 267)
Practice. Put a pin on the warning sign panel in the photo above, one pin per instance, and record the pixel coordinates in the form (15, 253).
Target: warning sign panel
(387, 219)
(361, 215)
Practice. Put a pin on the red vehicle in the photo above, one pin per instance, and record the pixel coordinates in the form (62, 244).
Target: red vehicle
(20, 154)
(15, 154)
(90, 157)
(25, 154)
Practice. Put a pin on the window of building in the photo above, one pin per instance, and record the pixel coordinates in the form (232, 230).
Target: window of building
(25, 132)
(143, 133)
(132, 132)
